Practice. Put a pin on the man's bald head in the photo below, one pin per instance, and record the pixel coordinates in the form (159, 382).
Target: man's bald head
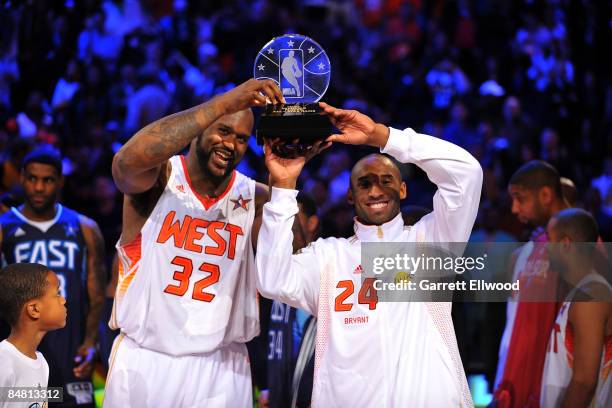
(374, 159)
(245, 115)
(575, 223)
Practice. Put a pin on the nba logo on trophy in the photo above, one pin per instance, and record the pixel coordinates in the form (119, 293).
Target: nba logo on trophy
(291, 76)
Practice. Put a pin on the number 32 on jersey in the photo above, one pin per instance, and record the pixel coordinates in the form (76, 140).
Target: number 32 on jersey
(183, 275)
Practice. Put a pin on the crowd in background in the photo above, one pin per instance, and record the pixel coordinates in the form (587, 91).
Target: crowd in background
(508, 80)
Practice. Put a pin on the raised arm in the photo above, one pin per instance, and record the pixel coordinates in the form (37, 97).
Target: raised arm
(281, 275)
(137, 165)
(262, 196)
(455, 172)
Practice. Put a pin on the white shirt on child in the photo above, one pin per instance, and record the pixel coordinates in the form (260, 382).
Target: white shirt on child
(19, 370)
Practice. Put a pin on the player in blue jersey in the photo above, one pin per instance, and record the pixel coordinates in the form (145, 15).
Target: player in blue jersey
(43, 231)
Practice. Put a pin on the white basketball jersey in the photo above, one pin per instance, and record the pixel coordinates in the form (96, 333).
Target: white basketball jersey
(187, 282)
(558, 368)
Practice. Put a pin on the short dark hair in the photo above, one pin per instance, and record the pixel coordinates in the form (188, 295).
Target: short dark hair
(536, 174)
(308, 204)
(45, 155)
(20, 283)
(578, 224)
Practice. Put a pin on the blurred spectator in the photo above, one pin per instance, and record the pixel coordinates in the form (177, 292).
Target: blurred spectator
(603, 183)
(317, 189)
(458, 131)
(550, 68)
(445, 81)
(121, 91)
(12, 198)
(96, 42)
(34, 116)
(553, 152)
(9, 73)
(338, 219)
(516, 127)
(492, 86)
(108, 210)
(67, 86)
(10, 166)
(149, 103)
(594, 204)
(335, 170)
(123, 18)
(202, 79)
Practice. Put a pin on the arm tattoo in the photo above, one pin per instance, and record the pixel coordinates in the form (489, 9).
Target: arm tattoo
(165, 137)
(171, 133)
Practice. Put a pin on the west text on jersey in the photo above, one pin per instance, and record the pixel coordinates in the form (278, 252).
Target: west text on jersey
(189, 234)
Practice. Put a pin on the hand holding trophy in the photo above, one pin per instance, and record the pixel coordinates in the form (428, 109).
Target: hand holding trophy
(302, 71)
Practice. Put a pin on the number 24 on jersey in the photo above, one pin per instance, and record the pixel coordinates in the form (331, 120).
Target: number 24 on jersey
(367, 295)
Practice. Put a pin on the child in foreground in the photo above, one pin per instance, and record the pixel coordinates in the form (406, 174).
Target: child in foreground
(31, 302)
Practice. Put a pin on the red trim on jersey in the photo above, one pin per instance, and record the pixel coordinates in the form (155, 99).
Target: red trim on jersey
(207, 202)
(133, 249)
(569, 342)
(608, 346)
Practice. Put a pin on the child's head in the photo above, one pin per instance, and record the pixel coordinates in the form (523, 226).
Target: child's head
(30, 292)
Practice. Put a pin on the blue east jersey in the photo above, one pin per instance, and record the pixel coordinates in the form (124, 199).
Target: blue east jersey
(58, 244)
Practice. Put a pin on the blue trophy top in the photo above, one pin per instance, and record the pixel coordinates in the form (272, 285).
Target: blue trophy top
(297, 64)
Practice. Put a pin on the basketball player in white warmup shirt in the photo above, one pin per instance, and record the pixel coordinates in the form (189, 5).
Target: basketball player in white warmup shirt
(186, 297)
(371, 354)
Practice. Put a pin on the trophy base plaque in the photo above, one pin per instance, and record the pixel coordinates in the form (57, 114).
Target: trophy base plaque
(304, 121)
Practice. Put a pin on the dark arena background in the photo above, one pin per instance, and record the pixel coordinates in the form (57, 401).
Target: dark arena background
(510, 81)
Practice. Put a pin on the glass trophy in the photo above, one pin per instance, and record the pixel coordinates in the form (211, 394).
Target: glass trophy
(301, 69)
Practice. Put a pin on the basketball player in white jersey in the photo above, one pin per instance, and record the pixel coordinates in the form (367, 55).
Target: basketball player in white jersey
(579, 355)
(371, 354)
(186, 296)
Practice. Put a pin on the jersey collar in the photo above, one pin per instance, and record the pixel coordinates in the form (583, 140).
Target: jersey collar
(41, 225)
(388, 231)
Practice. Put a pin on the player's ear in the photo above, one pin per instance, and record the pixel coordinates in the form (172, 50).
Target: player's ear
(32, 309)
(349, 196)
(312, 224)
(403, 190)
(545, 195)
(566, 243)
